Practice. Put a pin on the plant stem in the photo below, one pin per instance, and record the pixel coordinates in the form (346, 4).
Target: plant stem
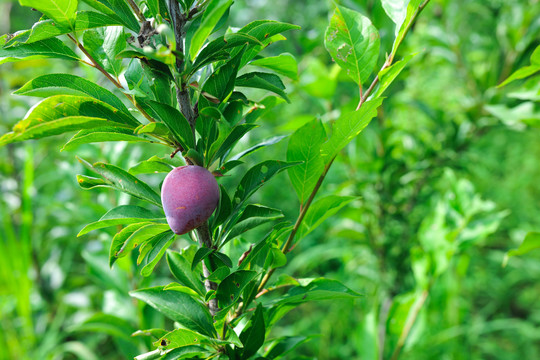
(182, 92)
(409, 324)
(205, 240)
(136, 10)
(287, 246)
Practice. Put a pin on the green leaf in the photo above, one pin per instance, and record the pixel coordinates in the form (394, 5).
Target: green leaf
(271, 141)
(265, 81)
(215, 50)
(264, 245)
(224, 208)
(175, 121)
(388, 75)
(264, 31)
(123, 181)
(104, 44)
(154, 128)
(49, 48)
(228, 143)
(88, 182)
(396, 10)
(159, 244)
(256, 177)
(46, 29)
(180, 267)
(180, 338)
(154, 333)
(282, 346)
(251, 217)
(187, 352)
(284, 64)
(305, 146)
(122, 215)
(180, 307)
(353, 42)
(253, 334)
(117, 8)
(158, 8)
(219, 274)
(221, 83)
(132, 236)
(530, 243)
(62, 11)
(65, 113)
(102, 134)
(214, 11)
(230, 289)
(317, 290)
(321, 210)
(522, 73)
(201, 254)
(105, 324)
(67, 84)
(411, 11)
(150, 166)
(348, 126)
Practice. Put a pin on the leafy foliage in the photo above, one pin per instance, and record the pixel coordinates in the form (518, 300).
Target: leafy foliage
(160, 84)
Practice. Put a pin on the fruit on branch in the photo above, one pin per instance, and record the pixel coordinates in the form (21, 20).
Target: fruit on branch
(189, 195)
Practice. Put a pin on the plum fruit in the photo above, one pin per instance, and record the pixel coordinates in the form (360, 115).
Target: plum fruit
(189, 195)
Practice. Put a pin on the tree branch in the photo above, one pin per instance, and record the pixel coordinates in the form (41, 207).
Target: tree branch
(205, 240)
(182, 93)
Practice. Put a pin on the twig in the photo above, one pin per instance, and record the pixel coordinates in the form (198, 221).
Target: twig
(409, 324)
(137, 11)
(287, 246)
(205, 240)
(182, 92)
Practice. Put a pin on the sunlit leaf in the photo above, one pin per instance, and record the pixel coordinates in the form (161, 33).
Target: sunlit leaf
(353, 42)
(178, 306)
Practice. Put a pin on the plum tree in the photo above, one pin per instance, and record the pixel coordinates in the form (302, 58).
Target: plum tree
(189, 194)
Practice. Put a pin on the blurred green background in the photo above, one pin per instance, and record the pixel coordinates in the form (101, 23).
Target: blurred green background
(447, 180)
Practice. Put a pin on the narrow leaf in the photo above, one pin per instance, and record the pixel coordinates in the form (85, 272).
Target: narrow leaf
(180, 267)
(178, 306)
(67, 84)
(265, 81)
(283, 64)
(253, 334)
(49, 48)
(102, 134)
(257, 176)
(159, 244)
(122, 215)
(123, 181)
(214, 11)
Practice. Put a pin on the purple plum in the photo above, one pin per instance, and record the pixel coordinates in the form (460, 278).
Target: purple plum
(189, 195)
